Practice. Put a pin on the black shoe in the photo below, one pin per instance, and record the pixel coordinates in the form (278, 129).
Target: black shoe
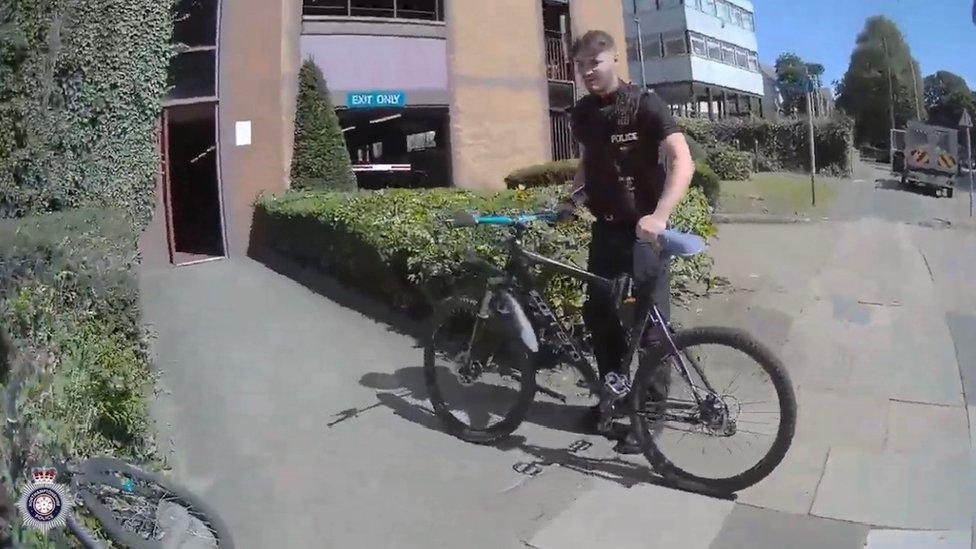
(628, 445)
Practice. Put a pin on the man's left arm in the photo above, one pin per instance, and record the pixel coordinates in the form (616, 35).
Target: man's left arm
(682, 169)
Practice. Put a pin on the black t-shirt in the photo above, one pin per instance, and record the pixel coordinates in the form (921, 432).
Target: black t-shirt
(621, 135)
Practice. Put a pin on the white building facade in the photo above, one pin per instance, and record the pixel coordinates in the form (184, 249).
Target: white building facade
(701, 56)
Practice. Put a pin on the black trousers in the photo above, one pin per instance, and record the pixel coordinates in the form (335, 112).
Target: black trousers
(615, 250)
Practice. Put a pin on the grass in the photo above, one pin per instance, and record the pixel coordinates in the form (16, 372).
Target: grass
(777, 194)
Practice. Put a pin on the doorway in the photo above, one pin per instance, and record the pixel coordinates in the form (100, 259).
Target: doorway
(194, 205)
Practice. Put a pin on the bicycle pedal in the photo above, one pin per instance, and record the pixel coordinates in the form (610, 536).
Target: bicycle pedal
(580, 446)
(528, 469)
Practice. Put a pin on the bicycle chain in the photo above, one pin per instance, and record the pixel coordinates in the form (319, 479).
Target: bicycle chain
(564, 343)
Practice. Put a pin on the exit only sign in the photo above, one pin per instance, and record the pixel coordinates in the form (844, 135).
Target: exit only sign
(376, 99)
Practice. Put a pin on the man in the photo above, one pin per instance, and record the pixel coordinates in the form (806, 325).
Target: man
(621, 128)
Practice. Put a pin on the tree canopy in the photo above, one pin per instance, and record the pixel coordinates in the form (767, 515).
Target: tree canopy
(946, 96)
(880, 51)
(792, 73)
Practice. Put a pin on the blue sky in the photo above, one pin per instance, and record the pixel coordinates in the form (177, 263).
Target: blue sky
(940, 33)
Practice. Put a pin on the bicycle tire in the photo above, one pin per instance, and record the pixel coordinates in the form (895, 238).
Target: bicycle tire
(742, 341)
(102, 471)
(527, 382)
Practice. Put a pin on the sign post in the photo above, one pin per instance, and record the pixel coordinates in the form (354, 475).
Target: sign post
(966, 123)
(809, 88)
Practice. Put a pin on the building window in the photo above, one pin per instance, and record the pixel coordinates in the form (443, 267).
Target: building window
(675, 44)
(750, 22)
(724, 12)
(699, 46)
(753, 62)
(728, 54)
(714, 49)
(432, 10)
(742, 58)
(709, 7)
(665, 4)
(421, 141)
(652, 46)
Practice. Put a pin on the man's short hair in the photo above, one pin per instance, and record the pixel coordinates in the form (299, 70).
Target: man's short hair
(594, 42)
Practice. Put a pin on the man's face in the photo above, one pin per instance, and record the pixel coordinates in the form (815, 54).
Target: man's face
(597, 71)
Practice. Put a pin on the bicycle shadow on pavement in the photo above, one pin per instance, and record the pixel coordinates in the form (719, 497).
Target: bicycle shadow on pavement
(404, 391)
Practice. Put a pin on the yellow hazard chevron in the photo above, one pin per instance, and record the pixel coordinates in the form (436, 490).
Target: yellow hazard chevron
(920, 156)
(947, 161)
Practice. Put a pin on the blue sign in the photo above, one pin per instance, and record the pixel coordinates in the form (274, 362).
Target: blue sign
(376, 99)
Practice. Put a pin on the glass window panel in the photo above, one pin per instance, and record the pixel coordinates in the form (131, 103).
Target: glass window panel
(714, 49)
(193, 74)
(652, 46)
(195, 23)
(675, 44)
(417, 9)
(372, 8)
(742, 58)
(753, 62)
(710, 7)
(728, 55)
(326, 7)
(699, 46)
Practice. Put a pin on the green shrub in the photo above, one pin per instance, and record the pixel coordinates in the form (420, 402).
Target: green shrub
(79, 104)
(321, 160)
(70, 323)
(730, 164)
(698, 152)
(395, 245)
(706, 179)
(781, 144)
(543, 175)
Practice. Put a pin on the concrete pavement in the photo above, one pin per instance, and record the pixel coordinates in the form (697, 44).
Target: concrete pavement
(304, 421)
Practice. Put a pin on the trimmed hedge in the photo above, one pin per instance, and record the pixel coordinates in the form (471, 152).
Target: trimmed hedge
(80, 103)
(781, 144)
(70, 322)
(730, 164)
(394, 244)
(559, 172)
(708, 181)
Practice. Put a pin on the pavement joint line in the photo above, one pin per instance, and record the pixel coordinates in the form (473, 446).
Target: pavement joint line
(927, 267)
(965, 404)
(816, 490)
(940, 405)
(849, 521)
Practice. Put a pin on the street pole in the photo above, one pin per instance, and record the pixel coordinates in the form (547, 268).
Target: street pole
(966, 124)
(808, 86)
(918, 104)
(640, 46)
(813, 154)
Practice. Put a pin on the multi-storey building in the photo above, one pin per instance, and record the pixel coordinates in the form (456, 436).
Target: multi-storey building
(428, 93)
(698, 55)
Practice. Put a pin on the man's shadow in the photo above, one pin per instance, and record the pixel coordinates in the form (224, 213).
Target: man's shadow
(408, 383)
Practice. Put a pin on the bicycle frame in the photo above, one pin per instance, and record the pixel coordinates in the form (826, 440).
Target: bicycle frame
(518, 278)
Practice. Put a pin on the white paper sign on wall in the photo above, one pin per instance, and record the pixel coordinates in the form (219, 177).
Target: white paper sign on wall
(243, 132)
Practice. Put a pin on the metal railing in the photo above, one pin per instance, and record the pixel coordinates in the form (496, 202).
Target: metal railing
(558, 65)
(563, 143)
(357, 8)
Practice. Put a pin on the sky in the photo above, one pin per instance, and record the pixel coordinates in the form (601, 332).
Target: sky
(940, 33)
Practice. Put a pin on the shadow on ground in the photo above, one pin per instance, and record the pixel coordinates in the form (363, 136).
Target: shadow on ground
(396, 388)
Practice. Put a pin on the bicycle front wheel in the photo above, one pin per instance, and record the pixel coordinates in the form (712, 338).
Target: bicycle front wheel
(725, 426)
(480, 381)
(144, 511)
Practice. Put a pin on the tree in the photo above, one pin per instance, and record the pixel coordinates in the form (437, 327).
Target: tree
(791, 76)
(321, 159)
(880, 59)
(946, 97)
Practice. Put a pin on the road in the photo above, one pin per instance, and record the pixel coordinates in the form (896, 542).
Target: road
(299, 410)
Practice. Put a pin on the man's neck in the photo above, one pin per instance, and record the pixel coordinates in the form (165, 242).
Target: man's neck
(613, 88)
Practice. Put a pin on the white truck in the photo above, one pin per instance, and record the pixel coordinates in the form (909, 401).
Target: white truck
(926, 156)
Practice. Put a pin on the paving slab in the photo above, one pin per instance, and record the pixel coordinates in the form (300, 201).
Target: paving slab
(963, 330)
(842, 418)
(758, 528)
(642, 516)
(908, 539)
(897, 490)
(915, 428)
(792, 485)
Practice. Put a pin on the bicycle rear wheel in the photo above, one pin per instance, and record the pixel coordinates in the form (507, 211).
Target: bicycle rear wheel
(739, 427)
(144, 511)
(480, 381)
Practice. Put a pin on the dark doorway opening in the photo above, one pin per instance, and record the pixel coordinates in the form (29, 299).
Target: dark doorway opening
(193, 198)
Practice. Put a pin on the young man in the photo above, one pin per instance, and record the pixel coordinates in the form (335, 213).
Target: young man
(621, 129)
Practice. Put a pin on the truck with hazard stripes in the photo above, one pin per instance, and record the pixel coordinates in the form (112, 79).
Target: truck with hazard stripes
(926, 156)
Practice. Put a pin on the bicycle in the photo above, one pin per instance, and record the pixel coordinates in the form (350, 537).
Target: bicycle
(136, 508)
(511, 333)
